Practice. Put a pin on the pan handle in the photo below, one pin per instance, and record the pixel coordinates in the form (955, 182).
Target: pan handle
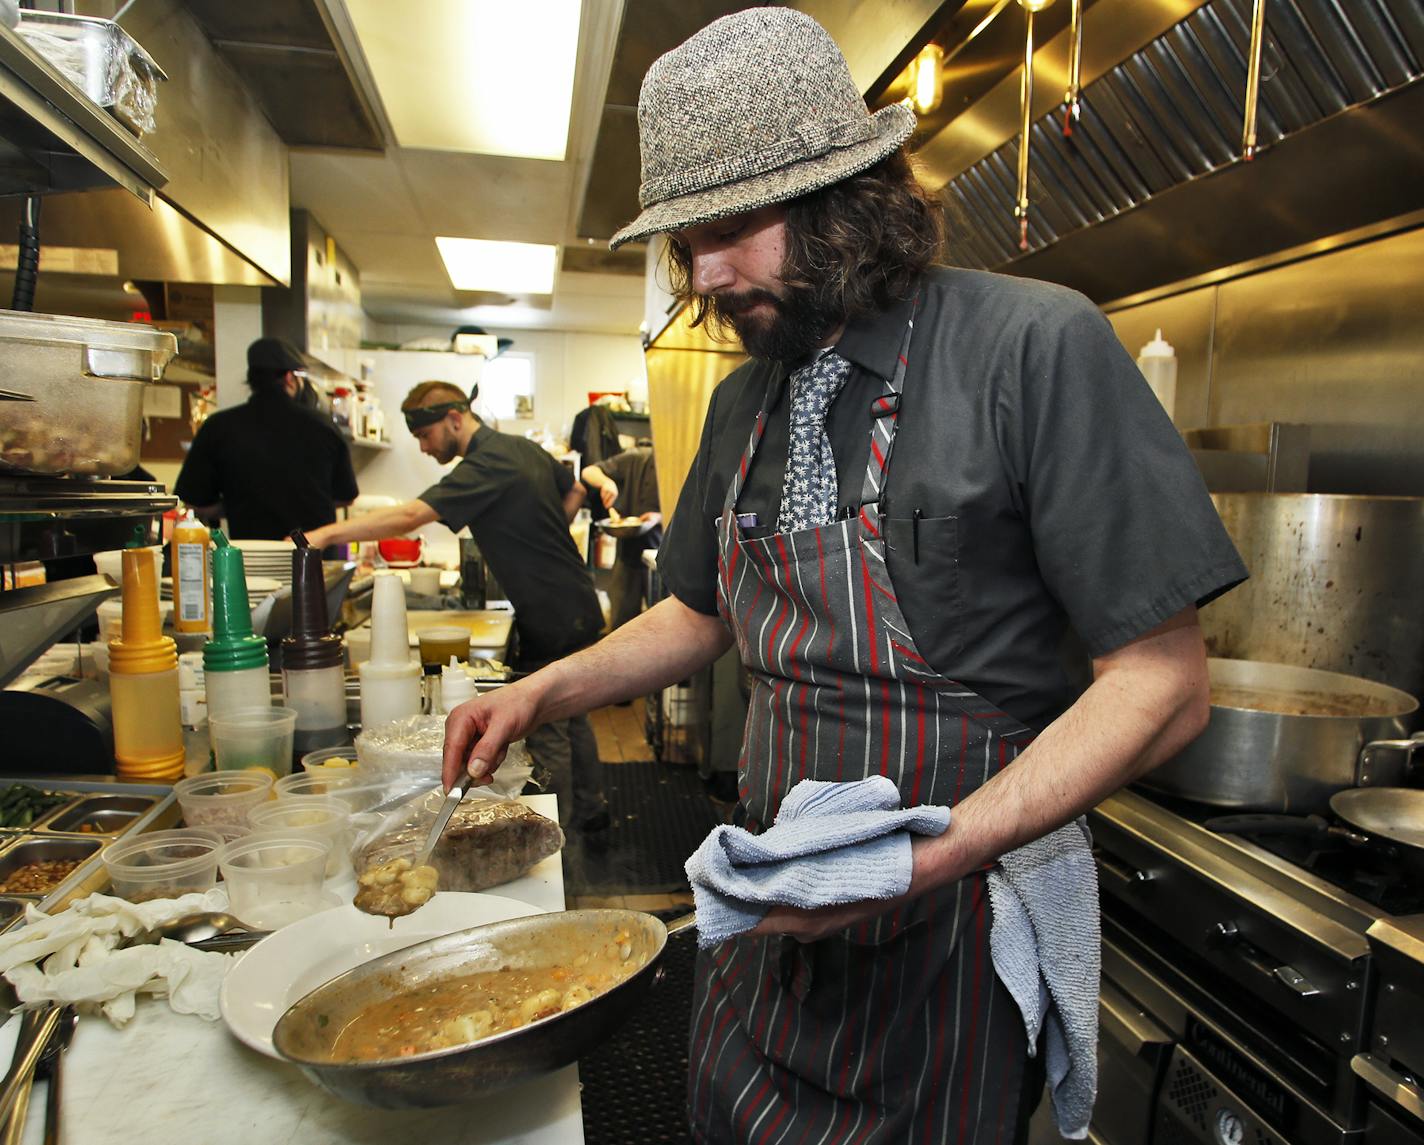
(1390, 762)
(687, 921)
(1313, 826)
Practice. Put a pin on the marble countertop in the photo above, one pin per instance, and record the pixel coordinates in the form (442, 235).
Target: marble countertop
(172, 1079)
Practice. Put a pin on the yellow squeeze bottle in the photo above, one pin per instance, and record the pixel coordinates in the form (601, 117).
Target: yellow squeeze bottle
(192, 594)
(143, 682)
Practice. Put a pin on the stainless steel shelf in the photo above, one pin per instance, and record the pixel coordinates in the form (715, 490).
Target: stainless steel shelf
(54, 138)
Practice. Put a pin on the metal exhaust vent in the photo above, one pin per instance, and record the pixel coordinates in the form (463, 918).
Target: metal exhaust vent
(1172, 112)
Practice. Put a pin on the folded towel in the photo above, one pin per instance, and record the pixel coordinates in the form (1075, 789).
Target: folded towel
(76, 956)
(1047, 951)
(831, 843)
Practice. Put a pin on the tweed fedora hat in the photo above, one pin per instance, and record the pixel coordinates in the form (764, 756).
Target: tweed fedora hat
(759, 107)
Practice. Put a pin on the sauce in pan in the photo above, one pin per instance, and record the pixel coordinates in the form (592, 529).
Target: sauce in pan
(458, 1011)
(1292, 703)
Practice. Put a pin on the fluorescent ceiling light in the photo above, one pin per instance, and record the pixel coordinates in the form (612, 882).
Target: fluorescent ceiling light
(489, 76)
(507, 268)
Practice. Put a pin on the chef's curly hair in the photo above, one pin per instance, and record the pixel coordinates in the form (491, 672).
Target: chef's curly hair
(857, 246)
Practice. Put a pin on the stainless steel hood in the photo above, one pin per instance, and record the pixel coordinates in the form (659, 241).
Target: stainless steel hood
(1151, 189)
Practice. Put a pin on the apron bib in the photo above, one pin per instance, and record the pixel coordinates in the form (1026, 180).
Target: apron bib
(897, 1030)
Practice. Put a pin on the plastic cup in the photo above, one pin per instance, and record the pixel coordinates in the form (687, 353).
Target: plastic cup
(425, 582)
(323, 818)
(273, 877)
(437, 645)
(258, 738)
(221, 799)
(163, 864)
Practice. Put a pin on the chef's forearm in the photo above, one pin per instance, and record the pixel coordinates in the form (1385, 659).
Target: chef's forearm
(382, 523)
(1147, 701)
(663, 645)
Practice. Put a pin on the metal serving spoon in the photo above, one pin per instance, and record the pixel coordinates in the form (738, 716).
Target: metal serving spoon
(192, 928)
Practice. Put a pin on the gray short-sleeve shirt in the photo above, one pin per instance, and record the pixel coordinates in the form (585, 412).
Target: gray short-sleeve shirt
(510, 493)
(1060, 515)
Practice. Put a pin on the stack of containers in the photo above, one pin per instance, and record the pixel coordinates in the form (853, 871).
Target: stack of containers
(143, 682)
(390, 679)
(313, 657)
(235, 660)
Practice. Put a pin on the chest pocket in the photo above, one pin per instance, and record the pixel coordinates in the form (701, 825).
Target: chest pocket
(926, 552)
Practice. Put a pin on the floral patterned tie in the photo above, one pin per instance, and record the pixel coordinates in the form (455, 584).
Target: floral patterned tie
(809, 491)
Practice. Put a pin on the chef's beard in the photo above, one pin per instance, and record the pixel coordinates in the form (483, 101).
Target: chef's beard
(794, 331)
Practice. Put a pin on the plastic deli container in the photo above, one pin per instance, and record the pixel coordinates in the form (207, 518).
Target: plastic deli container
(163, 864)
(221, 798)
(86, 377)
(331, 760)
(323, 818)
(273, 877)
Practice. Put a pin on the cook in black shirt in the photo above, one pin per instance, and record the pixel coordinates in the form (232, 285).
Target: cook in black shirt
(272, 464)
(517, 502)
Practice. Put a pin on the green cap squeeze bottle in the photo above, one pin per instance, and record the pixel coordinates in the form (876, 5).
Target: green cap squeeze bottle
(234, 660)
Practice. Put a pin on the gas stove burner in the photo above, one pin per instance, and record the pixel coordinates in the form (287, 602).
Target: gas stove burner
(1327, 849)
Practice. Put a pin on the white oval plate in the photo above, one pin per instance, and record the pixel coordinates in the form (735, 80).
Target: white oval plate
(298, 958)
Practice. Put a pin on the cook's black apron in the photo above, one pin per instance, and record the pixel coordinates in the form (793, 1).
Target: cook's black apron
(896, 1030)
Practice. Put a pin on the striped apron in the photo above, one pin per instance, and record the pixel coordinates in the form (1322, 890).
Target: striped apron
(896, 1030)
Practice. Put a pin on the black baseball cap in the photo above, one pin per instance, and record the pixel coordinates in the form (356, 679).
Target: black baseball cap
(274, 354)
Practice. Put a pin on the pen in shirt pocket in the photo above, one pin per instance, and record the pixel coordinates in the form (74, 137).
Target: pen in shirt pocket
(915, 533)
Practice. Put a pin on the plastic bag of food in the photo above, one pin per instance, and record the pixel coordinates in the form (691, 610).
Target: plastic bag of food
(415, 746)
(488, 841)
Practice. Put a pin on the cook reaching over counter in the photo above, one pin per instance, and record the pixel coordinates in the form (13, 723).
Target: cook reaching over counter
(518, 502)
(957, 544)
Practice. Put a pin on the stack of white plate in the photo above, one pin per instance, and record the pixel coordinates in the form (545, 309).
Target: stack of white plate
(259, 588)
(267, 559)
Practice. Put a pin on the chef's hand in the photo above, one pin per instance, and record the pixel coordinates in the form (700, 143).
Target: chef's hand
(608, 494)
(811, 925)
(479, 731)
(929, 869)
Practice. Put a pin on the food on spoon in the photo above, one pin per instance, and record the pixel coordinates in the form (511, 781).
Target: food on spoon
(488, 842)
(458, 1011)
(395, 888)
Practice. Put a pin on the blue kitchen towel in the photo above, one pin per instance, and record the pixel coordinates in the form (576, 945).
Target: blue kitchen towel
(1047, 950)
(831, 843)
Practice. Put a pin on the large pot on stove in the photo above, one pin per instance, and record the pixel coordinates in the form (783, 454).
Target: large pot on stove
(1284, 738)
(1335, 584)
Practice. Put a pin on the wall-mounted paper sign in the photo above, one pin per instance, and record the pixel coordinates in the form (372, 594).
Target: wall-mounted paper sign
(163, 401)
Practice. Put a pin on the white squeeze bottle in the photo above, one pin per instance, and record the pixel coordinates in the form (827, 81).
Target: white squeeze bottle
(456, 686)
(1159, 366)
(390, 679)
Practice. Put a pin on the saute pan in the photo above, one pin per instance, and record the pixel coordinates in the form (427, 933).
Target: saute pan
(1389, 820)
(306, 1032)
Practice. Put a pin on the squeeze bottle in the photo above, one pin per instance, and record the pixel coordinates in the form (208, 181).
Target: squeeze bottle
(313, 657)
(456, 686)
(1159, 366)
(143, 682)
(234, 660)
(192, 596)
(390, 679)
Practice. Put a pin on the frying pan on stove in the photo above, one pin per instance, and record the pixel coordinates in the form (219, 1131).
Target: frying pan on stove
(1389, 820)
